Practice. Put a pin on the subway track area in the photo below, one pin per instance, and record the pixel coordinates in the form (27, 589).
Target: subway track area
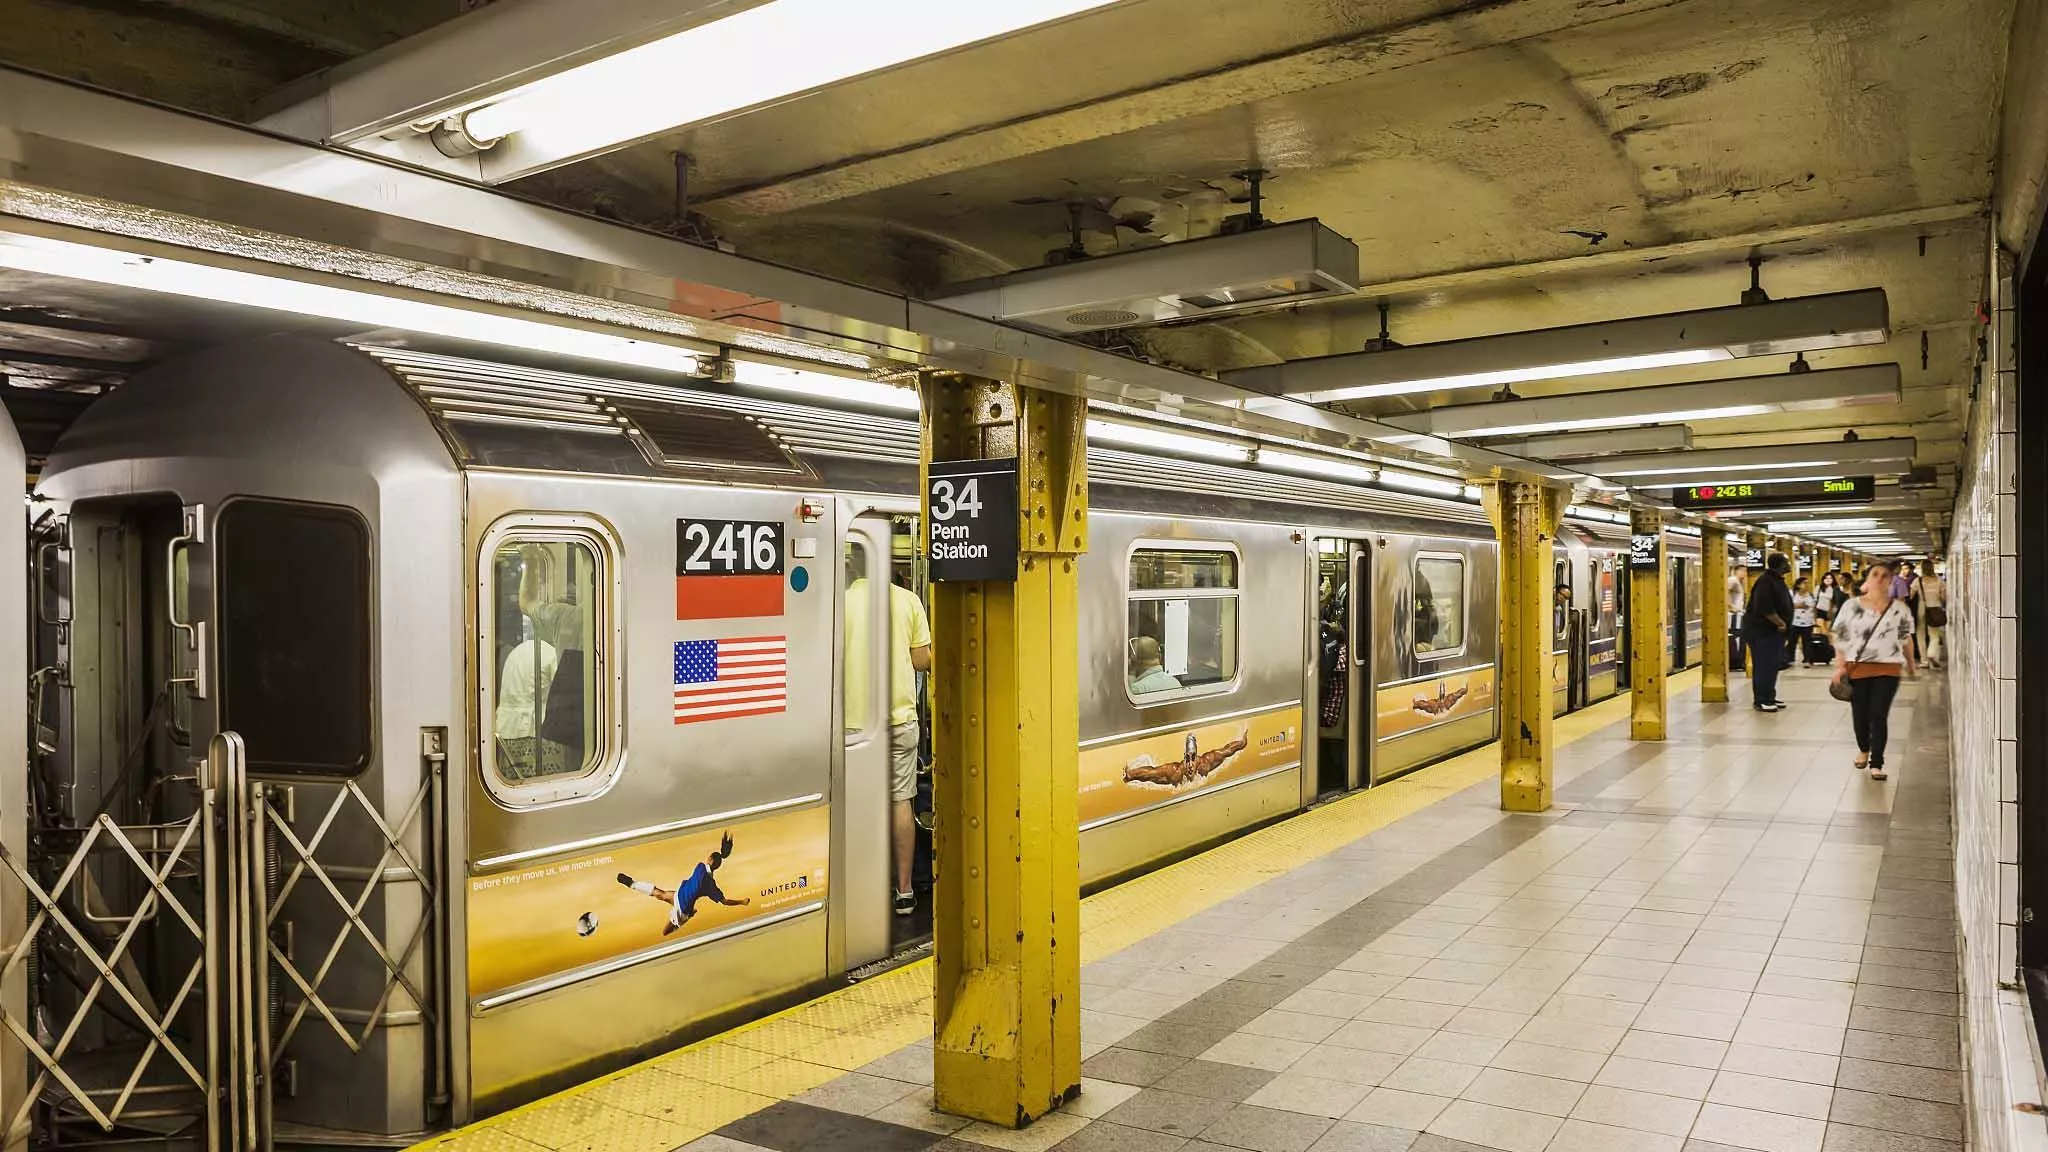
(1730, 939)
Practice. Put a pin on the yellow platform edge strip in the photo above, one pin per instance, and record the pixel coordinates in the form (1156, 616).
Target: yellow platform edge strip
(672, 1099)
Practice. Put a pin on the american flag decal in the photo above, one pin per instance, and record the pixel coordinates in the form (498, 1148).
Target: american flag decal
(740, 676)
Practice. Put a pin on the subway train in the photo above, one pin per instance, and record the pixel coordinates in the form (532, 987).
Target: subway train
(426, 732)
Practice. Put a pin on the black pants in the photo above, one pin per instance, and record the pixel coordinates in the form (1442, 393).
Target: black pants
(1870, 707)
(1766, 656)
(1802, 634)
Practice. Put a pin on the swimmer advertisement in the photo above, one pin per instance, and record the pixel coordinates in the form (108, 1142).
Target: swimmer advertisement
(1138, 772)
(1419, 704)
(532, 922)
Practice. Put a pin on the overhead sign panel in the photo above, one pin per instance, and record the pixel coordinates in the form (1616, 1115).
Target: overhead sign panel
(1841, 490)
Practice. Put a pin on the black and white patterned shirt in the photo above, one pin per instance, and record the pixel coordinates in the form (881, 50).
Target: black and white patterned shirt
(1868, 637)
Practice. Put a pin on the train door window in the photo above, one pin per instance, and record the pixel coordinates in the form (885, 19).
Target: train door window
(857, 663)
(294, 585)
(1181, 633)
(1439, 605)
(550, 697)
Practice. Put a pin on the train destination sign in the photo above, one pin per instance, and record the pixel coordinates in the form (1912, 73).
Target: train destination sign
(970, 515)
(1715, 494)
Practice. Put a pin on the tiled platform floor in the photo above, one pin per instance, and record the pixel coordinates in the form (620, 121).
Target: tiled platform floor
(1729, 940)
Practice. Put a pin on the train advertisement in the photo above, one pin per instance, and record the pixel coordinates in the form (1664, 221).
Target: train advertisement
(527, 924)
(1128, 775)
(1419, 704)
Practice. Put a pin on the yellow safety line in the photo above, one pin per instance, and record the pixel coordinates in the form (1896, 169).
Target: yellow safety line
(677, 1097)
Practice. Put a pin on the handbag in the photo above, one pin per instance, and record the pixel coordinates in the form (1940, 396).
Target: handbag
(1937, 617)
(1838, 686)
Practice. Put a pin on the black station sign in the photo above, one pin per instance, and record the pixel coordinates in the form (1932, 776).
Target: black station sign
(1752, 558)
(970, 516)
(1841, 490)
(1642, 550)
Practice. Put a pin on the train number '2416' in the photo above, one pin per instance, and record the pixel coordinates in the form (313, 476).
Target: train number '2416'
(728, 547)
(728, 568)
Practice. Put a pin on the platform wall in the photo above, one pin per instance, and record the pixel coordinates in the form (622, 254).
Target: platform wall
(2000, 1052)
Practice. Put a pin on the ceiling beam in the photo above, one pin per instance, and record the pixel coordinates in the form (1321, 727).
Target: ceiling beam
(1468, 28)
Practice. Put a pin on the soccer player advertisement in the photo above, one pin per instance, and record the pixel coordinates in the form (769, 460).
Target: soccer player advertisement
(530, 923)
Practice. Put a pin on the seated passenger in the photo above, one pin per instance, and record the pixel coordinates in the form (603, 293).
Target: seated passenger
(522, 689)
(1148, 672)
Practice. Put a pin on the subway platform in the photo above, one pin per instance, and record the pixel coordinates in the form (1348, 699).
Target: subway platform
(1727, 940)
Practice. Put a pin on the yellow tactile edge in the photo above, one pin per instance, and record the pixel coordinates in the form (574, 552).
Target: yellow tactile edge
(674, 1098)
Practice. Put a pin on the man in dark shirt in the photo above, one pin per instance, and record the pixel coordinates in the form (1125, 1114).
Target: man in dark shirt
(1766, 621)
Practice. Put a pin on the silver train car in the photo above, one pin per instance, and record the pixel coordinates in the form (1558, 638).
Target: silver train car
(530, 722)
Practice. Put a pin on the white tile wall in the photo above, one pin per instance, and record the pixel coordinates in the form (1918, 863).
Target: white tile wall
(1983, 605)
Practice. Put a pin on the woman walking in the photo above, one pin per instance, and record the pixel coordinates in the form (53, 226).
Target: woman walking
(1802, 623)
(1873, 648)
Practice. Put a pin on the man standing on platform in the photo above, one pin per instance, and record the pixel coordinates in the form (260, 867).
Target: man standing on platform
(1766, 622)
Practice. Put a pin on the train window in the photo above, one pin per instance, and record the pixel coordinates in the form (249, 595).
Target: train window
(295, 635)
(550, 700)
(1439, 605)
(857, 660)
(1181, 634)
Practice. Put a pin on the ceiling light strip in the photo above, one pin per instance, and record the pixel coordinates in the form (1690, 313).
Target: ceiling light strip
(1778, 327)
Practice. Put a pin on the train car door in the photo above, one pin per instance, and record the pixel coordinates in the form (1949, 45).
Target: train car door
(1342, 703)
(861, 808)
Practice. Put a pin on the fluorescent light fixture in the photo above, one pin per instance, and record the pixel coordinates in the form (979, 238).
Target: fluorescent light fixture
(1861, 457)
(1473, 492)
(1314, 465)
(1723, 468)
(1572, 445)
(1279, 264)
(1429, 485)
(1143, 436)
(1777, 327)
(823, 386)
(1602, 515)
(1665, 404)
(399, 309)
(745, 60)
(1820, 525)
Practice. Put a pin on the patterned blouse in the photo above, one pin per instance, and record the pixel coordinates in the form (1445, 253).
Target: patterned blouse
(1866, 637)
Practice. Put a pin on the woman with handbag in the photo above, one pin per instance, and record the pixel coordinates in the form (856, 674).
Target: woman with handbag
(1878, 630)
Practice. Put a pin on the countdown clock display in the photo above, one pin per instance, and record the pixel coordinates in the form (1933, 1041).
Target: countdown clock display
(1726, 494)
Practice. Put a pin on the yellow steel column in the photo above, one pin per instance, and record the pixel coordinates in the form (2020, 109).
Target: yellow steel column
(1525, 519)
(1006, 914)
(1646, 636)
(1714, 585)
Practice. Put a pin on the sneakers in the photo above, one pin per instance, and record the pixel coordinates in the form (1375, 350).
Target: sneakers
(906, 903)
(1772, 706)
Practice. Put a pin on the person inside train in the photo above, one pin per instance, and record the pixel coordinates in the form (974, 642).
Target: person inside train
(1148, 672)
(910, 652)
(1766, 624)
(1560, 609)
(523, 686)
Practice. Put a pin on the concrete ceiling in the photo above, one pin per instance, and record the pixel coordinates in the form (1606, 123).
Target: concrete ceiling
(1501, 165)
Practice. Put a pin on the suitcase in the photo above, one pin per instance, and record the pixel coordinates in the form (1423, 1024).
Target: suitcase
(1818, 650)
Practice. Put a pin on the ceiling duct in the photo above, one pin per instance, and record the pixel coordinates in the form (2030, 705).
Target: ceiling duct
(1275, 264)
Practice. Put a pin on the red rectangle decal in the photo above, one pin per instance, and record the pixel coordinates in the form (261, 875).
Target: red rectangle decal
(725, 597)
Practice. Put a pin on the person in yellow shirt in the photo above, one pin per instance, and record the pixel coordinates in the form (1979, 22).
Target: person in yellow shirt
(910, 652)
